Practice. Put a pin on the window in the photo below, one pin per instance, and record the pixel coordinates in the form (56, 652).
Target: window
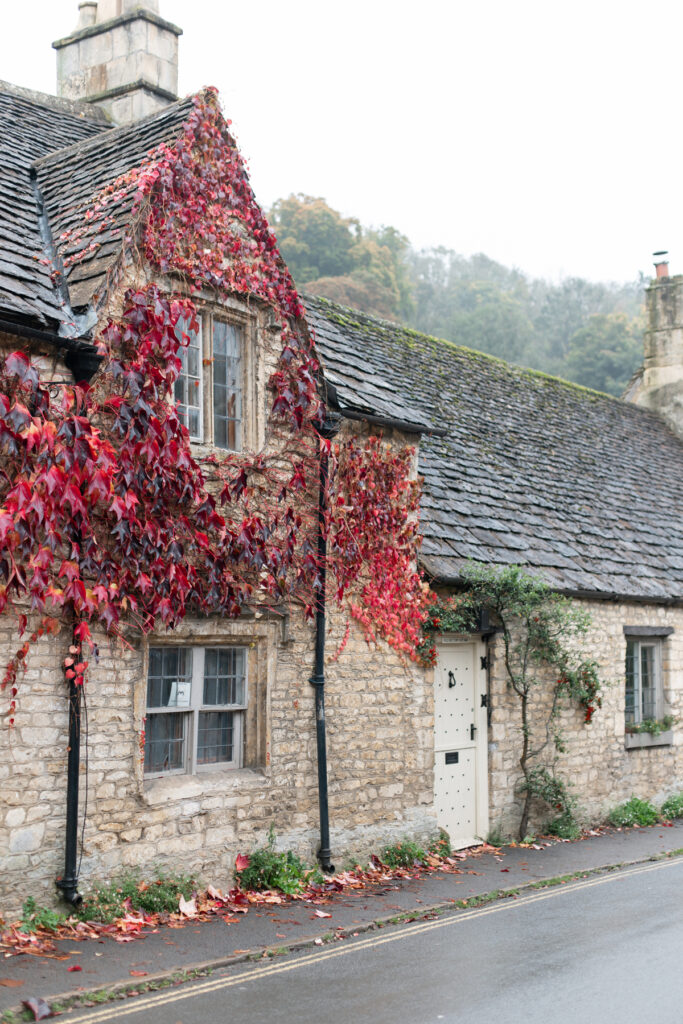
(196, 700)
(643, 680)
(188, 386)
(210, 386)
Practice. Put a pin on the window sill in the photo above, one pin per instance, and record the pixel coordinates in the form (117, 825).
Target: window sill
(635, 740)
(182, 787)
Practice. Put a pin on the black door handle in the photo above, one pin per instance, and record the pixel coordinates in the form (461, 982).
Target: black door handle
(451, 680)
(473, 729)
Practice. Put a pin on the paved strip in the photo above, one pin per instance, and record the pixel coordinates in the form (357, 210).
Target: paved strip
(197, 989)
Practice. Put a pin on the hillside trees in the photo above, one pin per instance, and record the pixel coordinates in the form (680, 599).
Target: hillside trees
(473, 301)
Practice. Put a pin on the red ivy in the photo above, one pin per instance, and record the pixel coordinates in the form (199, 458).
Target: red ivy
(105, 516)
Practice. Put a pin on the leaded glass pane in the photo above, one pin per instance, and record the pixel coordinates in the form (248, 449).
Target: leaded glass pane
(631, 681)
(188, 392)
(165, 742)
(647, 682)
(227, 386)
(224, 669)
(169, 677)
(215, 737)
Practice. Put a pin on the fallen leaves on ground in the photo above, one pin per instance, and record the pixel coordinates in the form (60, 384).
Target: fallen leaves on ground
(38, 1007)
(214, 902)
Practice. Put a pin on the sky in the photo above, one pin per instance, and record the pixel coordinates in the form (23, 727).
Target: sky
(545, 135)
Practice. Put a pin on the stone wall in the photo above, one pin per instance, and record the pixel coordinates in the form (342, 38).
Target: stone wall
(599, 768)
(379, 715)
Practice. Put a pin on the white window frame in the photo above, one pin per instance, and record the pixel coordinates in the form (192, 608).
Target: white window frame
(639, 646)
(239, 389)
(206, 390)
(186, 382)
(191, 711)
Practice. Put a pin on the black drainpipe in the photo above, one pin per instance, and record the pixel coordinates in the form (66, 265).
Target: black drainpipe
(83, 364)
(318, 678)
(69, 882)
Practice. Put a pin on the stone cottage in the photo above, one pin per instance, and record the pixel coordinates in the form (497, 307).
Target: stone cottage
(578, 487)
(518, 468)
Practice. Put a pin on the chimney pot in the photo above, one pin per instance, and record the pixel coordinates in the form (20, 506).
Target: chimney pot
(661, 263)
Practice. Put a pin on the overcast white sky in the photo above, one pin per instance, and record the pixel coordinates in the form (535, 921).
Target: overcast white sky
(545, 134)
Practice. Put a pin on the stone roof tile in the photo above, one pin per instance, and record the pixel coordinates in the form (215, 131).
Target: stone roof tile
(583, 488)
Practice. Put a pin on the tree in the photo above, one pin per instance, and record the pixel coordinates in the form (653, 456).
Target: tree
(315, 240)
(335, 257)
(605, 353)
(543, 667)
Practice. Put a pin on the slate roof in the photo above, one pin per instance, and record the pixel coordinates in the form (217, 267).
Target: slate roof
(55, 157)
(31, 125)
(70, 178)
(583, 488)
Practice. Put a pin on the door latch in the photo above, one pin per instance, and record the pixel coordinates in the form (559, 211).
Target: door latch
(473, 729)
(451, 680)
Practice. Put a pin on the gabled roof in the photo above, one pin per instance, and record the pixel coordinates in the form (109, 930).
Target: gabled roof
(70, 181)
(581, 487)
(32, 125)
(65, 199)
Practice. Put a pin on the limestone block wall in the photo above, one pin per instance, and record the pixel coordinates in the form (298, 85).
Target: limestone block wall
(602, 772)
(379, 715)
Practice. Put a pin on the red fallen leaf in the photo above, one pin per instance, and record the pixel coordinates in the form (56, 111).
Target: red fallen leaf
(38, 1007)
(241, 862)
(75, 967)
(10, 982)
(321, 913)
(504, 869)
(138, 974)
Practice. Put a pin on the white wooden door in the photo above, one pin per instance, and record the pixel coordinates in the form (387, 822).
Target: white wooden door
(460, 742)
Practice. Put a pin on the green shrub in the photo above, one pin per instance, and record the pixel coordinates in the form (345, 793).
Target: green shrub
(34, 917)
(441, 847)
(403, 855)
(673, 806)
(633, 812)
(564, 826)
(555, 793)
(108, 902)
(496, 837)
(269, 868)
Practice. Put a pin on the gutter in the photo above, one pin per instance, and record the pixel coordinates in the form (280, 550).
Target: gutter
(388, 421)
(583, 595)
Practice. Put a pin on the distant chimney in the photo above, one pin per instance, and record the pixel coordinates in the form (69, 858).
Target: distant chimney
(661, 263)
(659, 384)
(122, 56)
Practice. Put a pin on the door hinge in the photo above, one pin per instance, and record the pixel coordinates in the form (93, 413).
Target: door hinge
(484, 700)
(484, 661)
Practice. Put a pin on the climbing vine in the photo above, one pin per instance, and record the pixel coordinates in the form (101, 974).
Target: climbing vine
(107, 519)
(539, 630)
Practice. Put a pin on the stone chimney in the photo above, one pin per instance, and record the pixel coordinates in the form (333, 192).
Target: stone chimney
(659, 384)
(122, 56)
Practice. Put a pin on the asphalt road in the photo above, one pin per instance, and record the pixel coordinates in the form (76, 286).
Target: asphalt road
(607, 949)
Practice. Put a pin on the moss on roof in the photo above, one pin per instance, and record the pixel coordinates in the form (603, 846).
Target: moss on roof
(578, 485)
